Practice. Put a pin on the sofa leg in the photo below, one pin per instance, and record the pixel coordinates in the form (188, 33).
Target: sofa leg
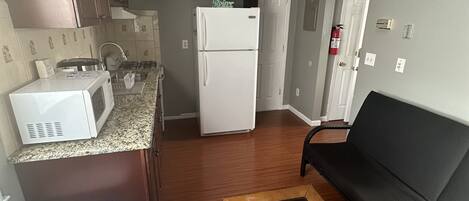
(303, 167)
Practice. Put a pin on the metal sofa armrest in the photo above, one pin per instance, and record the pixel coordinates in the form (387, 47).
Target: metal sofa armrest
(316, 130)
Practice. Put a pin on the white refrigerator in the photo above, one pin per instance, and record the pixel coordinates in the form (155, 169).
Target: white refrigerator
(227, 54)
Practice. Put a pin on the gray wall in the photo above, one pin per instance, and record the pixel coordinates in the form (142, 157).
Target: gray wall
(309, 46)
(175, 21)
(8, 179)
(290, 51)
(437, 73)
(153, 4)
(143, 4)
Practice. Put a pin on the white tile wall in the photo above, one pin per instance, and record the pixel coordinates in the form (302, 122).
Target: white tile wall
(19, 70)
(145, 50)
(144, 28)
(130, 49)
(12, 75)
(139, 38)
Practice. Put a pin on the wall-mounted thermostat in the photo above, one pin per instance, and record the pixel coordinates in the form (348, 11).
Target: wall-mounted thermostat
(385, 24)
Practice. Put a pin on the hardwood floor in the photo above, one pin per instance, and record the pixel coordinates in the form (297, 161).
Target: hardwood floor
(195, 168)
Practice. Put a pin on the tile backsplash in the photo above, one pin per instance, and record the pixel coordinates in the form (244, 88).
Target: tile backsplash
(139, 37)
(20, 47)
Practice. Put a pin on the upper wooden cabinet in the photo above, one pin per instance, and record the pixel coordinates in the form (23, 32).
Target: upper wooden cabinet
(103, 9)
(59, 13)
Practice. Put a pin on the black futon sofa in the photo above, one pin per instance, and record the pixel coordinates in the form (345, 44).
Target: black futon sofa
(395, 152)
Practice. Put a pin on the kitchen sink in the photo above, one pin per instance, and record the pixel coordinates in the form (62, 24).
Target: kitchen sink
(118, 75)
(141, 70)
(118, 86)
(119, 89)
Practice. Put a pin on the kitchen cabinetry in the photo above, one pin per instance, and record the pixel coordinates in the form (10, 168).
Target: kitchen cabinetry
(121, 176)
(153, 155)
(103, 9)
(59, 13)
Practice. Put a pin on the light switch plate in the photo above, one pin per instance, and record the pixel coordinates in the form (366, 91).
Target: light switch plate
(400, 65)
(370, 59)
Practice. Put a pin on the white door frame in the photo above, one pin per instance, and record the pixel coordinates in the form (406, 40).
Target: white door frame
(337, 60)
(284, 57)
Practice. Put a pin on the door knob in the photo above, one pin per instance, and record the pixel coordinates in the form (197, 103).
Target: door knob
(342, 64)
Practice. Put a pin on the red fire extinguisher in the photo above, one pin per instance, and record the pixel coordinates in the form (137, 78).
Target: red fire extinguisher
(335, 39)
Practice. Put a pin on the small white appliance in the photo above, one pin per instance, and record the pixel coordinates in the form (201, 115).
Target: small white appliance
(227, 52)
(66, 106)
(44, 68)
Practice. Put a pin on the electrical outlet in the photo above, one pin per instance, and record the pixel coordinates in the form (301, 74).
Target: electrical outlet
(185, 44)
(370, 59)
(297, 92)
(310, 63)
(400, 65)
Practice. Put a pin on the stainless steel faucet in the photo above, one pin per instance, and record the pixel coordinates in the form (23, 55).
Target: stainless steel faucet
(101, 60)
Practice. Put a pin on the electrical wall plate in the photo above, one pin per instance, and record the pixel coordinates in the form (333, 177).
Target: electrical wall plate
(385, 24)
(370, 59)
(185, 44)
(400, 65)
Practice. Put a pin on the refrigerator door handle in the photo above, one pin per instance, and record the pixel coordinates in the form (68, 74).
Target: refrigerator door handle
(206, 73)
(204, 20)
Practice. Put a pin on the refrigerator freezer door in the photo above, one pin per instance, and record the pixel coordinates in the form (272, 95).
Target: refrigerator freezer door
(227, 90)
(227, 29)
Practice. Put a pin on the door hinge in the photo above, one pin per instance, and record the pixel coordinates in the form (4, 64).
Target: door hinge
(279, 91)
(358, 53)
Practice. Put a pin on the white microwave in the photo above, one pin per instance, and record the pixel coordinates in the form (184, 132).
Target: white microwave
(66, 106)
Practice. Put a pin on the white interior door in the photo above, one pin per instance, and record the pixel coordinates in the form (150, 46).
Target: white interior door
(228, 28)
(275, 16)
(353, 18)
(227, 90)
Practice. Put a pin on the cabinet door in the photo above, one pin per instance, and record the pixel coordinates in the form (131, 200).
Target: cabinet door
(103, 8)
(86, 13)
(152, 174)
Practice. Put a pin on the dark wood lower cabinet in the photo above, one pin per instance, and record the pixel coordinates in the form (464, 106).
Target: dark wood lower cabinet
(153, 176)
(110, 177)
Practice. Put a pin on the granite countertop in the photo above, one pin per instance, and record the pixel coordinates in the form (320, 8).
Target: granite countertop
(129, 127)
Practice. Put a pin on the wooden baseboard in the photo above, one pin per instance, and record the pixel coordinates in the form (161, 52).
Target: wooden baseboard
(182, 116)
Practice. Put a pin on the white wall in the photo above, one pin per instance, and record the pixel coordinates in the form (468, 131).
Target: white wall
(8, 180)
(437, 72)
(10, 75)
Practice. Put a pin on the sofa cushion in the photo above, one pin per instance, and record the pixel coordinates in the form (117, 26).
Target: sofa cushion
(419, 147)
(457, 188)
(356, 175)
